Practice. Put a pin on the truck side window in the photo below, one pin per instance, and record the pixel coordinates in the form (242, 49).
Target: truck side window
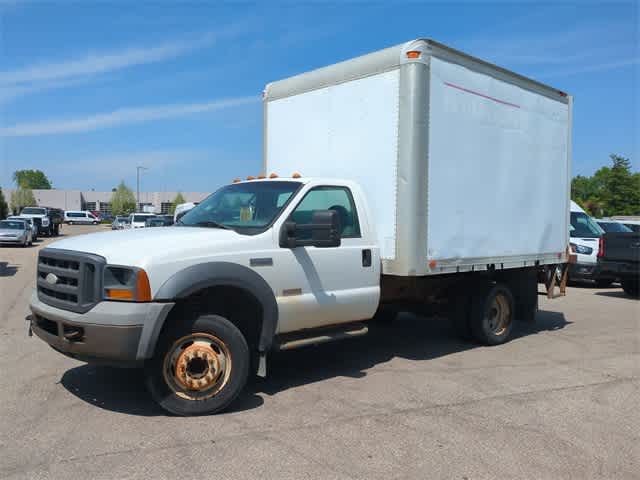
(329, 198)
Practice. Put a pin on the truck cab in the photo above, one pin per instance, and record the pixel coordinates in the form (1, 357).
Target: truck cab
(282, 255)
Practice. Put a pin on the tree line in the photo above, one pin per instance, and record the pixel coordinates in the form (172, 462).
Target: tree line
(611, 190)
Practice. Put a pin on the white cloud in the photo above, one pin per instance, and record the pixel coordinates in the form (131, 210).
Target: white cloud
(98, 63)
(120, 117)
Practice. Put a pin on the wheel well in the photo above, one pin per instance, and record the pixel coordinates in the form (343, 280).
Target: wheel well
(237, 305)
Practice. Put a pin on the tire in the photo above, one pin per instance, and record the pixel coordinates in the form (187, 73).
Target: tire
(70, 223)
(631, 286)
(221, 345)
(492, 315)
(95, 223)
(604, 282)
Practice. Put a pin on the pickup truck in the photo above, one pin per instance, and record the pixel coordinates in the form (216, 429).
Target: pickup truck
(619, 257)
(404, 204)
(48, 220)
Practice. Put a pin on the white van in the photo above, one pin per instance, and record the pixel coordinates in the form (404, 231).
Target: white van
(584, 235)
(78, 217)
(139, 220)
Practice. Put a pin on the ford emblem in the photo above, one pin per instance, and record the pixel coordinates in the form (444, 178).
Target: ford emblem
(51, 278)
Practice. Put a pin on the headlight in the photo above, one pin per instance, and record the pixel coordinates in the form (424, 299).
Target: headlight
(127, 284)
(581, 249)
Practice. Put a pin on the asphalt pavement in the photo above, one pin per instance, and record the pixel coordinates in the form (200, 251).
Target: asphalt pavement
(407, 401)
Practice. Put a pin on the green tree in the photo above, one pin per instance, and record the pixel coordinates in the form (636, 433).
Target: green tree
(610, 191)
(123, 202)
(176, 201)
(31, 179)
(20, 198)
(622, 196)
(4, 208)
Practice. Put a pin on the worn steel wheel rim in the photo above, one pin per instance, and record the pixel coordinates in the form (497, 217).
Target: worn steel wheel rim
(197, 366)
(498, 317)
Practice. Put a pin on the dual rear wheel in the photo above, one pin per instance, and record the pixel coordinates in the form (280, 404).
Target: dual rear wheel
(487, 316)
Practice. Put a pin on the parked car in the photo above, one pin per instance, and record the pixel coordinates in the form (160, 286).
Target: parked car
(612, 226)
(80, 217)
(139, 220)
(16, 232)
(47, 219)
(120, 222)
(619, 256)
(31, 222)
(584, 234)
(160, 221)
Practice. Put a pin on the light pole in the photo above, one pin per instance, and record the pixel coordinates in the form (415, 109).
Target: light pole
(138, 186)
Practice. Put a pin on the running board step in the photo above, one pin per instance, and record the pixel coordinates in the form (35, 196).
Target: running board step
(316, 336)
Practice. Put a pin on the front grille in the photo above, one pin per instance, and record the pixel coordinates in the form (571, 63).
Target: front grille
(69, 280)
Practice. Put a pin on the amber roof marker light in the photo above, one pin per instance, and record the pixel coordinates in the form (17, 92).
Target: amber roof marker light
(413, 54)
(296, 175)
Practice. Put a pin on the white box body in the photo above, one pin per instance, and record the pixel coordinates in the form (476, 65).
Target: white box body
(466, 166)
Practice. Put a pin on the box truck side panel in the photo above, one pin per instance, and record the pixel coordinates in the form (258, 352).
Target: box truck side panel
(498, 168)
(348, 130)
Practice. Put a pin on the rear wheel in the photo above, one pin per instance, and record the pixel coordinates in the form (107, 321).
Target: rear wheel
(492, 313)
(631, 286)
(199, 367)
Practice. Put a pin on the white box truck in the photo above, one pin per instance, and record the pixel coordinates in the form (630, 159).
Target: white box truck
(423, 178)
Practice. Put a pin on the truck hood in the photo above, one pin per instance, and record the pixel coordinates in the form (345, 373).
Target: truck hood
(140, 247)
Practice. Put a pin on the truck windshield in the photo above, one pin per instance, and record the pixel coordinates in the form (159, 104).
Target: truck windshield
(582, 225)
(33, 211)
(245, 207)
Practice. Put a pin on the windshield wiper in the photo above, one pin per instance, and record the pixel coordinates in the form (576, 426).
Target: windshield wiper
(209, 223)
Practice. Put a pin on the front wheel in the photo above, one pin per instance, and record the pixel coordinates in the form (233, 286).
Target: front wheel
(492, 314)
(199, 367)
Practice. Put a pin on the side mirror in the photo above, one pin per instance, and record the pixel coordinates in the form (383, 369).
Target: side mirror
(322, 232)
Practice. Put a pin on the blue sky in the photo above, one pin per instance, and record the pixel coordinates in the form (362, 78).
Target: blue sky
(89, 90)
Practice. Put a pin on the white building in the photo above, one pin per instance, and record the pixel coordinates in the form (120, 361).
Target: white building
(101, 201)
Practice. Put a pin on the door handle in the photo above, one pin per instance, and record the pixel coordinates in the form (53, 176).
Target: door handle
(366, 257)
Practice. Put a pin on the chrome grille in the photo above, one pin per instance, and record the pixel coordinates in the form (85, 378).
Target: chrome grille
(69, 280)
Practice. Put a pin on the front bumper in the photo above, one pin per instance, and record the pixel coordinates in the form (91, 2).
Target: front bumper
(117, 333)
(12, 240)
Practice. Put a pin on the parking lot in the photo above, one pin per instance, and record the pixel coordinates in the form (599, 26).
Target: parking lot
(560, 400)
